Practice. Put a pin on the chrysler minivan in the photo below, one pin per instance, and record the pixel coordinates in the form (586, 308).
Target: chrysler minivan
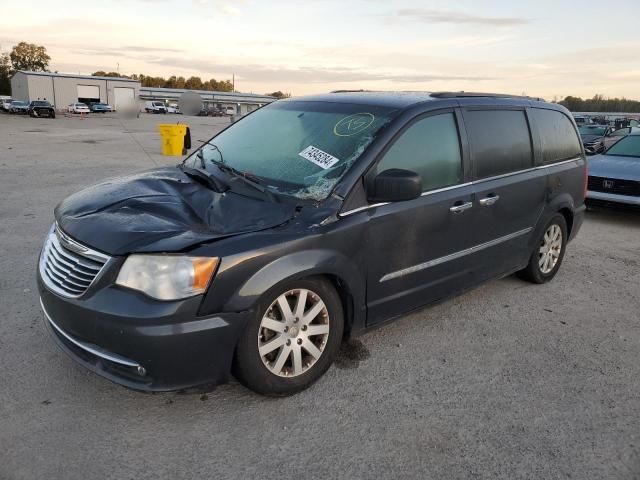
(308, 220)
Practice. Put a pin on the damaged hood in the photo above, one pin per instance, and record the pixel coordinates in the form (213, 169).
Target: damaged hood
(161, 210)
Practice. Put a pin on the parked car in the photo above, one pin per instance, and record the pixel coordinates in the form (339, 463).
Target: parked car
(99, 107)
(614, 176)
(594, 137)
(582, 120)
(305, 221)
(78, 108)
(216, 112)
(41, 108)
(5, 104)
(155, 107)
(173, 109)
(18, 106)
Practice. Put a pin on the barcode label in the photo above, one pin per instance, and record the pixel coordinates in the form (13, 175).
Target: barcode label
(315, 155)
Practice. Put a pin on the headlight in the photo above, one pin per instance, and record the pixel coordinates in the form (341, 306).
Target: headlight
(167, 277)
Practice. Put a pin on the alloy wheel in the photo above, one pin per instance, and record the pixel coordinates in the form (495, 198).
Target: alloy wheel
(550, 249)
(293, 333)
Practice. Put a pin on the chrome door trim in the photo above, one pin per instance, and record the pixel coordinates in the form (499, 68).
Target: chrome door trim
(453, 256)
(95, 350)
(462, 185)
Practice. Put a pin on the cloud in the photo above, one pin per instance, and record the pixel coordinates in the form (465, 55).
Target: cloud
(306, 74)
(425, 15)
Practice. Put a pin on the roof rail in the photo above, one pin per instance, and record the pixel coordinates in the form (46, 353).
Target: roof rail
(349, 91)
(478, 94)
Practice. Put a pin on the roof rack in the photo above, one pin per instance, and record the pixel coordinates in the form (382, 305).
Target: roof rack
(349, 91)
(478, 94)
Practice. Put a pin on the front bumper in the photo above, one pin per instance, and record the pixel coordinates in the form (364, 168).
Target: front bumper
(614, 198)
(141, 343)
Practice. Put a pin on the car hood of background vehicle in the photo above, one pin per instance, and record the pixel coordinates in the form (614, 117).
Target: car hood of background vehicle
(612, 166)
(590, 138)
(161, 210)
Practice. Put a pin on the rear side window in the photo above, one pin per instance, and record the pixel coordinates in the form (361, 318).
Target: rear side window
(558, 138)
(431, 148)
(500, 141)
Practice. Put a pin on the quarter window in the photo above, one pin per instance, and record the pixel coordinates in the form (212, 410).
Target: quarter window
(500, 141)
(558, 138)
(431, 148)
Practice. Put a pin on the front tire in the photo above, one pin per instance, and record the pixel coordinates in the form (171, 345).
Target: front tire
(292, 339)
(548, 252)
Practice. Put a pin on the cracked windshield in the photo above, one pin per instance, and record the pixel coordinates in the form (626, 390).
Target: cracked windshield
(300, 149)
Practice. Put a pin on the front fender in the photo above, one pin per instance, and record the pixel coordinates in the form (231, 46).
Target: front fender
(299, 264)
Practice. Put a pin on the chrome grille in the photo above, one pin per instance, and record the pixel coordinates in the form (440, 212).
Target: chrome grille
(67, 267)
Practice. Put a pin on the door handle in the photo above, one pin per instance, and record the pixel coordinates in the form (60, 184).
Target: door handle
(461, 208)
(489, 200)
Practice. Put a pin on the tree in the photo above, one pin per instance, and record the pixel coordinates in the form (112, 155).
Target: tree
(101, 73)
(601, 104)
(279, 95)
(29, 56)
(193, 83)
(5, 74)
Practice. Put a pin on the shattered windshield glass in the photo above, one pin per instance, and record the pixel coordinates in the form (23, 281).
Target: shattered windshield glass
(297, 148)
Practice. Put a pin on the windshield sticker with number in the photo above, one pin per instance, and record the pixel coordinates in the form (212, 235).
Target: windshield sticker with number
(323, 159)
(353, 124)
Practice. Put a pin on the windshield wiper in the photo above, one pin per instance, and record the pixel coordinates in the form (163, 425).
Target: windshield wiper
(210, 180)
(251, 180)
(247, 178)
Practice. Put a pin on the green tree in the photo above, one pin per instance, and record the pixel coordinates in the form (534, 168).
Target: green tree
(279, 94)
(29, 56)
(193, 83)
(601, 104)
(5, 74)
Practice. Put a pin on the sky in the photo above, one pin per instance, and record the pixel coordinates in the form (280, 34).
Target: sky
(543, 48)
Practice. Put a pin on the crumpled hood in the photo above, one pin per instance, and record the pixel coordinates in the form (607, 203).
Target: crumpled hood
(612, 166)
(161, 210)
(590, 138)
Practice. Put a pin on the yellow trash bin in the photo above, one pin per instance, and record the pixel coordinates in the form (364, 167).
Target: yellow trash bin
(173, 139)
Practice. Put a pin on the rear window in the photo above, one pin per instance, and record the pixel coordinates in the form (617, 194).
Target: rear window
(627, 147)
(500, 141)
(558, 138)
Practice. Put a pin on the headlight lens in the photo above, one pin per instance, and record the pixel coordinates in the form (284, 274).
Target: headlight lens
(167, 277)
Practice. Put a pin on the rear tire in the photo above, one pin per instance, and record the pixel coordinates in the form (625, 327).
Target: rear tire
(304, 318)
(548, 252)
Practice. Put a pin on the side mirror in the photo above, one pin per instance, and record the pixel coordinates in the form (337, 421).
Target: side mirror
(395, 185)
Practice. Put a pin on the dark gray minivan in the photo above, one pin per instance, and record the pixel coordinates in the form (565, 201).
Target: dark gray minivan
(308, 220)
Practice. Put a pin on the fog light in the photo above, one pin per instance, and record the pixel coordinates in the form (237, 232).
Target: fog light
(142, 371)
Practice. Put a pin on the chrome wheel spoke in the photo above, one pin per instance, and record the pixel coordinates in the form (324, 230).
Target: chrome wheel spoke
(297, 360)
(282, 358)
(273, 324)
(301, 303)
(270, 346)
(313, 312)
(319, 329)
(284, 307)
(312, 349)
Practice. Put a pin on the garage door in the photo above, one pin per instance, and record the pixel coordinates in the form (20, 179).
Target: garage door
(88, 93)
(123, 96)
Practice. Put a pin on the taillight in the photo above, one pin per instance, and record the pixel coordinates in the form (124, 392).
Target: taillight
(586, 179)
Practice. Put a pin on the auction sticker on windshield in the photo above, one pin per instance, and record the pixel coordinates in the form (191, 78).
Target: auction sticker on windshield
(322, 159)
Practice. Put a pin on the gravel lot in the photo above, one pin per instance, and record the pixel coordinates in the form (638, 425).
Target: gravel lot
(508, 381)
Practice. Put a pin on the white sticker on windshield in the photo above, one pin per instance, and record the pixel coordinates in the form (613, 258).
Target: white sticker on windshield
(322, 159)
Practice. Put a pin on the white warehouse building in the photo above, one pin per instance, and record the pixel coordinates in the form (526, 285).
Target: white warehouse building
(63, 89)
(242, 103)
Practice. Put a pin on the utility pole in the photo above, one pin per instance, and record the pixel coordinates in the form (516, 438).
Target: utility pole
(233, 76)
